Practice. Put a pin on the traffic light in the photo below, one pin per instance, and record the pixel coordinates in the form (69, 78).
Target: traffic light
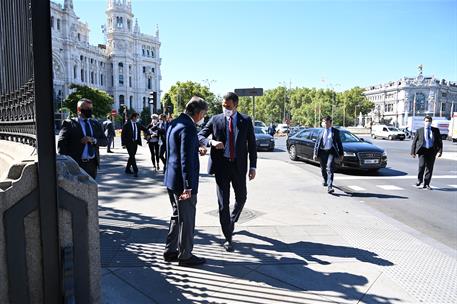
(153, 98)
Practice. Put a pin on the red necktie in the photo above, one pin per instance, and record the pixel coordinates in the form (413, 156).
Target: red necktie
(231, 139)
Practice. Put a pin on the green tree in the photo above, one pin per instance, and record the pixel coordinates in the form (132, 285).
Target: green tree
(181, 92)
(102, 101)
(145, 116)
(352, 102)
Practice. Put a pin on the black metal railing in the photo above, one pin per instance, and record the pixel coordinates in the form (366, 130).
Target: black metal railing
(17, 102)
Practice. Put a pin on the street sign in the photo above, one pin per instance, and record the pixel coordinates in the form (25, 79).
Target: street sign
(249, 92)
(113, 112)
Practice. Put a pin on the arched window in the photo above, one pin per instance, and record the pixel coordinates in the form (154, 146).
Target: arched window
(149, 83)
(152, 53)
(131, 102)
(147, 52)
(121, 68)
(52, 21)
(144, 102)
(121, 99)
(75, 72)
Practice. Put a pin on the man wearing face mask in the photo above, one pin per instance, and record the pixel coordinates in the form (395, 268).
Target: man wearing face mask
(328, 146)
(80, 138)
(131, 138)
(427, 144)
(181, 180)
(233, 140)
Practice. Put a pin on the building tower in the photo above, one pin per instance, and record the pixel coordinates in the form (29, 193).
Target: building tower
(121, 50)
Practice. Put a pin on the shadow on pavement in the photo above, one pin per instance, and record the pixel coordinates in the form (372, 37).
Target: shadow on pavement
(132, 247)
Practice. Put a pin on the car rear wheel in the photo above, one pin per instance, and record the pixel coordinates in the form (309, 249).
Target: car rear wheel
(390, 137)
(292, 152)
(373, 136)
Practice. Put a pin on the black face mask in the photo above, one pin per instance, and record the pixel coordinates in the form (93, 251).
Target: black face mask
(87, 113)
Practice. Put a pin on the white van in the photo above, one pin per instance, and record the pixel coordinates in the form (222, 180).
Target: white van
(387, 132)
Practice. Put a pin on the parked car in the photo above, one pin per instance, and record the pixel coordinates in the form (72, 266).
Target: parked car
(264, 141)
(295, 130)
(359, 154)
(282, 128)
(387, 132)
(407, 132)
(261, 124)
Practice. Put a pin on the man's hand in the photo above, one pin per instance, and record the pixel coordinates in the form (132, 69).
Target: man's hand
(202, 150)
(86, 140)
(314, 157)
(413, 155)
(185, 195)
(217, 144)
(123, 147)
(251, 174)
(439, 154)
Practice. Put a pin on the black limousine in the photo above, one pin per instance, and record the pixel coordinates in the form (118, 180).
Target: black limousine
(358, 153)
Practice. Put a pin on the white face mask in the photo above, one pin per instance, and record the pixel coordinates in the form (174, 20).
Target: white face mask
(427, 124)
(227, 113)
(200, 122)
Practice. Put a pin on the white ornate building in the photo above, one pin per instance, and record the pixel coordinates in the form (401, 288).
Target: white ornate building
(127, 66)
(418, 96)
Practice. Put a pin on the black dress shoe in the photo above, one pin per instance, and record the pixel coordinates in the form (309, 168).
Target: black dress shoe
(135, 174)
(418, 184)
(228, 246)
(192, 261)
(324, 184)
(330, 190)
(170, 257)
(427, 187)
(128, 172)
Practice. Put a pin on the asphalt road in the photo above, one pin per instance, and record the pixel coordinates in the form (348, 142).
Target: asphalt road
(392, 190)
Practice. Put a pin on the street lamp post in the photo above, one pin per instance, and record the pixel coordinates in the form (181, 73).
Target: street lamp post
(355, 115)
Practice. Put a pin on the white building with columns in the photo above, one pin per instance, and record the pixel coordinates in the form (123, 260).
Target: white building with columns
(422, 95)
(127, 66)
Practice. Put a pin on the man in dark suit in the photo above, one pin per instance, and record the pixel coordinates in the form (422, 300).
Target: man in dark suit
(80, 138)
(131, 138)
(427, 144)
(181, 180)
(328, 146)
(232, 141)
(110, 133)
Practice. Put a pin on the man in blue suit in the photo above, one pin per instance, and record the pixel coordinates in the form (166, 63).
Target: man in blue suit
(181, 180)
(233, 139)
(328, 146)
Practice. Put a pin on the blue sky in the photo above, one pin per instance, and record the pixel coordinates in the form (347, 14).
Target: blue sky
(238, 44)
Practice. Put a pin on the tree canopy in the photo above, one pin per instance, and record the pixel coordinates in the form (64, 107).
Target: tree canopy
(102, 101)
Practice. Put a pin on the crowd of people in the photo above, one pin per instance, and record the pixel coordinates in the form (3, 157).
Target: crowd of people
(233, 158)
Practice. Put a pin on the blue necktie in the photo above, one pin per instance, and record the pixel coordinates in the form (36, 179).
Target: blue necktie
(90, 147)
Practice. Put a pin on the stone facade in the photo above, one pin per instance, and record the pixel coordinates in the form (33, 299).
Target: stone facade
(127, 66)
(395, 101)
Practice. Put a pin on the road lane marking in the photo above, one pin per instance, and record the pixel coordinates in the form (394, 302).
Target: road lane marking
(339, 177)
(389, 187)
(356, 188)
(453, 186)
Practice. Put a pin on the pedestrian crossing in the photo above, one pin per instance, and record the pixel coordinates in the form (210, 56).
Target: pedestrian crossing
(387, 187)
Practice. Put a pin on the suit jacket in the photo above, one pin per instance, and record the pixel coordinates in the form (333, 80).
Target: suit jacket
(127, 133)
(337, 145)
(108, 128)
(183, 164)
(419, 141)
(70, 135)
(245, 142)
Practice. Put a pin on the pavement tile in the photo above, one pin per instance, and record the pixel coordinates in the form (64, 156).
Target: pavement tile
(117, 291)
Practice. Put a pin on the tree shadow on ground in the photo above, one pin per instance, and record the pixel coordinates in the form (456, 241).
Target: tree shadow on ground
(132, 247)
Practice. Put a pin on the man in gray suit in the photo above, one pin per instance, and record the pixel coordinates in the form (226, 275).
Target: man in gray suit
(110, 133)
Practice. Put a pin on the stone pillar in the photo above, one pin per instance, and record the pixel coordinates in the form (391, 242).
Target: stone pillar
(20, 240)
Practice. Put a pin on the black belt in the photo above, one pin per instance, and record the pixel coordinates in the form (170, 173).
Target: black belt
(230, 160)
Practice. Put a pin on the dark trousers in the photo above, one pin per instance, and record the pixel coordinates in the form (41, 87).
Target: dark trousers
(154, 148)
(327, 161)
(110, 141)
(180, 236)
(162, 154)
(426, 162)
(228, 174)
(90, 167)
(131, 149)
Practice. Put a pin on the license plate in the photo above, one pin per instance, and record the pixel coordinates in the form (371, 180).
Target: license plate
(371, 161)
(264, 145)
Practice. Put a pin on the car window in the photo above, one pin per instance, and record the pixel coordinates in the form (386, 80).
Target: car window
(393, 129)
(304, 134)
(348, 137)
(259, 130)
(314, 134)
(384, 129)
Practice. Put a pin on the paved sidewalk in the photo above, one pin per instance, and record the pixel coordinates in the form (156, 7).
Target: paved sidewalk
(294, 244)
